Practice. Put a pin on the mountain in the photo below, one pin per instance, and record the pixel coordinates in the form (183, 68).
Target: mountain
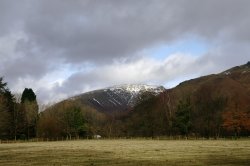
(117, 98)
(233, 84)
(209, 106)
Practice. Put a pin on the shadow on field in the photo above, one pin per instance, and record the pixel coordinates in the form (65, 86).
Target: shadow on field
(35, 156)
(227, 160)
(68, 157)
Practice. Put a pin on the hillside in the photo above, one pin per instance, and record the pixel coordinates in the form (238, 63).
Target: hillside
(213, 105)
(209, 106)
(117, 98)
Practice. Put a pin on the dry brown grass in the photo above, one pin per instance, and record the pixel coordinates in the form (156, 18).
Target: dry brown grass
(127, 152)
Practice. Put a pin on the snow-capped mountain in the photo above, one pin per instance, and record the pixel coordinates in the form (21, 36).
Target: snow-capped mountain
(131, 92)
(117, 98)
(138, 88)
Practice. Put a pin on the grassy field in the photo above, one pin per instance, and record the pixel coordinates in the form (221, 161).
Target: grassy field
(127, 152)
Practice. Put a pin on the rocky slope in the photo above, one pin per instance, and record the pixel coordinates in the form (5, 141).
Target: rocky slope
(117, 98)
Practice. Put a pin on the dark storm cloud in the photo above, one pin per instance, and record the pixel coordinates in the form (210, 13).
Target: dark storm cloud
(26, 67)
(38, 37)
(90, 30)
(12, 15)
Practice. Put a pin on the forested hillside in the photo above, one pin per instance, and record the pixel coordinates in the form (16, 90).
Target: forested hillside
(210, 106)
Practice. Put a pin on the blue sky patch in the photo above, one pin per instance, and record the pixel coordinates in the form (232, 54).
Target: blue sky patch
(193, 47)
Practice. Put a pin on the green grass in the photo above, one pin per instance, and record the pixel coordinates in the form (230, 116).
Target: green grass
(127, 152)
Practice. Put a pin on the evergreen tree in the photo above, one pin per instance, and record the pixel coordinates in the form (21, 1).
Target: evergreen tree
(2, 86)
(30, 108)
(5, 119)
(28, 95)
(182, 118)
(74, 122)
(6, 111)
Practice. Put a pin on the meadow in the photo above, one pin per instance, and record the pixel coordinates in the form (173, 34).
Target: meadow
(127, 152)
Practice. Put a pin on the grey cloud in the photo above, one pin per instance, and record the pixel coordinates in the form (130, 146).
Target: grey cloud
(26, 67)
(139, 71)
(12, 15)
(90, 30)
(174, 68)
(226, 56)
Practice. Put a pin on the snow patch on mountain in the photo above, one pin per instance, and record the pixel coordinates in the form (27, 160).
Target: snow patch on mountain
(112, 102)
(131, 92)
(227, 73)
(137, 88)
(97, 101)
(117, 98)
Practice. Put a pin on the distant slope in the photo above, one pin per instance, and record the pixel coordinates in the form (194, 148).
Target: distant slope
(116, 99)
(234, 84)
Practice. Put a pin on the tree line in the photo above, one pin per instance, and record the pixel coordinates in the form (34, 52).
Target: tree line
(21, 120)
(18, 119)
(69, 119)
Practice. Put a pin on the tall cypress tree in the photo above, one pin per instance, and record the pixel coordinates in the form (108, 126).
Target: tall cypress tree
(28, 95)
(30, 108)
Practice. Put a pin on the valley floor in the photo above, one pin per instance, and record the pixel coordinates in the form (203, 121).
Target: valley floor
(127, 152)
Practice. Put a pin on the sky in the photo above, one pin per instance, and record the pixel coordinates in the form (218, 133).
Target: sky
(61, 48)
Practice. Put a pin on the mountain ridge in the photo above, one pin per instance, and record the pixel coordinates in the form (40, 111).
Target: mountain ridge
(117, 98)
